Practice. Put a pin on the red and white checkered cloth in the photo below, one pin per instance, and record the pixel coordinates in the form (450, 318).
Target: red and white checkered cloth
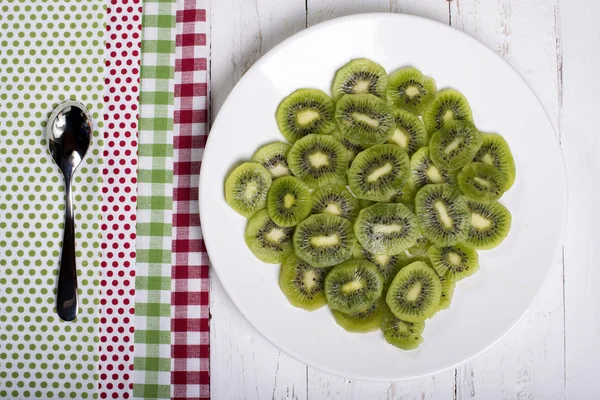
(190, 282)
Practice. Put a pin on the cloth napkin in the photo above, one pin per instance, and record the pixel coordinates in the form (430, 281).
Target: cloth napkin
(143, 329)
(119, 198)
(152, 362)
(190, 315)
(50, 51)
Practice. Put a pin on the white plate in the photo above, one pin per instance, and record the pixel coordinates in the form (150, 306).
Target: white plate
(486, 305)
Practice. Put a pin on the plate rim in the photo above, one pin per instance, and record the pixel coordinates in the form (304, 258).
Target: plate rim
(422, 20)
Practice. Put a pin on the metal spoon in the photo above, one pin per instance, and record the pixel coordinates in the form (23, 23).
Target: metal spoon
(69, 134)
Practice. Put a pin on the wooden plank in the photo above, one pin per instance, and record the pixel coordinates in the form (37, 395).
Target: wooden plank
(323, 10)
(437, 10)
(528, 362)
(243, 364)
(241, 32)
(580, 119)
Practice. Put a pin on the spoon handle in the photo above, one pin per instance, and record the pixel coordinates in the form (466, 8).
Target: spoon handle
(66, 296)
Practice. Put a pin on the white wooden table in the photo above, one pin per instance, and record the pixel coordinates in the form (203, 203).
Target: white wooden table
(554, 351)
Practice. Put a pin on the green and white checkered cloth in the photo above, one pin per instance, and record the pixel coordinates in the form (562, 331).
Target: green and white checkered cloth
(152, 363)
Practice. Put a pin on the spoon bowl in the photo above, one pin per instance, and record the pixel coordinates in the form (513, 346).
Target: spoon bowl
(69, 134)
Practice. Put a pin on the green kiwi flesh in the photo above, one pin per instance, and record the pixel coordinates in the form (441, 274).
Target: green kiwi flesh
(424, 172)
(402, 334)
(489, 224)
(318, 160)
(454, 145)
(362, 203)
(457, 262)
(386, 264)
(495, 151)
(420, 248)
(442, 213)
(410, 133)
(268, 242)
(379, 172)
(288, 201)
(448, 286)
(353, 286)
(352, 146)
(302, 284)
(246, 188)
(481, 182)
(364, 321)
(447, 106)
(415, 293)
(336, 200)
(365, 118)
(305, 112)
(324, 240)
(386, 228)
(360, 76)
(409, 89)
(273, 157)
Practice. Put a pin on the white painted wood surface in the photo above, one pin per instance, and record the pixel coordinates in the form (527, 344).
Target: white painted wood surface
(554, 351)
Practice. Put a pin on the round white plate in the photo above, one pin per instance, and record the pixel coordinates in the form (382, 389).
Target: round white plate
(486, 305)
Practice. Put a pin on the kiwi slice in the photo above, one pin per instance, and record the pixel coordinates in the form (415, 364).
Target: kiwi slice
(406, 195)
(318, 160)
(379, 172)
(386, 264)
(246, 188)
(489, 224)
(360, 76)
(458, 261)
(324, 240)
(357, 251)
(410, 133)
(481, 182)
(289, 201)
(352, 146)
(386, 228)
(402, 334)
(362, 203)
(424, 172)
(442, 213)
(305, 112)
(448, 286)
(455, 145)
(302, 284)
(365, 118)
(273, 157)
(364, 321)
(268, 241)
(448, 105)
(343, 181)
(495, 151)
(415, 293)
(353, 286)
(336, 200)
(411, 90)
(420, 248)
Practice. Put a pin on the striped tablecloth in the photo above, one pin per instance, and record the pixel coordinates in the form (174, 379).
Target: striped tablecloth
(143, 328)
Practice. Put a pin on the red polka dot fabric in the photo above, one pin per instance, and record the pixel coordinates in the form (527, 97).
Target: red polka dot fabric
(123, 40)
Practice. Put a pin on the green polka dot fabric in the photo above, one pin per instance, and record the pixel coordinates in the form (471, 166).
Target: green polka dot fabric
(50, 51)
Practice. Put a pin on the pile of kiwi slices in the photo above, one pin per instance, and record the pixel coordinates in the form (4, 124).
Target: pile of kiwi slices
(379, 200)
